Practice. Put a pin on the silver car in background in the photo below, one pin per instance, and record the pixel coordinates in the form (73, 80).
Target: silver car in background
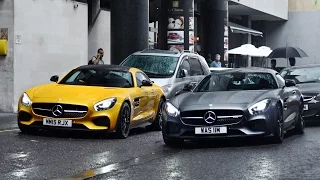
(169, 69)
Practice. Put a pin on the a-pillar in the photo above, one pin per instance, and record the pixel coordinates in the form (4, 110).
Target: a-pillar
(129, 28)
(214, 39)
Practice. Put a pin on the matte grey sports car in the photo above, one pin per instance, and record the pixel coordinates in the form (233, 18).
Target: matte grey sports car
(307, 79)
(234, 103)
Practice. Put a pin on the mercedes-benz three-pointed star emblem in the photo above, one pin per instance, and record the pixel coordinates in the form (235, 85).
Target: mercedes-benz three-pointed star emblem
(57, 110)
(210, 117)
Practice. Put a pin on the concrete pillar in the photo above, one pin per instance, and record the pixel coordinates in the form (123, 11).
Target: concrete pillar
(214, 16)
(129, 28)
(248, 37)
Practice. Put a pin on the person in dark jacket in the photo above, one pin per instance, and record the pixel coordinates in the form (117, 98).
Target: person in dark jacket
(292, 61)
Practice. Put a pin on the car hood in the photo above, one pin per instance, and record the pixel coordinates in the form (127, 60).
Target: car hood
(75, 92)
(309, 88)
(161, 81)
(221, 98)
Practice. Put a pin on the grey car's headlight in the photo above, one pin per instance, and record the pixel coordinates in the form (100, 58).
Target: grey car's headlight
(259, 107)
(317, 97)
(167, 88)
(25, 100)
(105, 104)
(171, 110)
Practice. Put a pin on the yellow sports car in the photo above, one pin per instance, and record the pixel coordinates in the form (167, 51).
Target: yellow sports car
(93, 97)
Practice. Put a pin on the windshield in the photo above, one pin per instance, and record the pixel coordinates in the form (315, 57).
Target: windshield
(236, 81)
(153, 66)
(303, 75)
(98, 77)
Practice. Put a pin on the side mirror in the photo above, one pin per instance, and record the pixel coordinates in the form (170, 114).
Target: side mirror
(290, 83)
(186, 88)
(183, 73)
(54, 78)
(146, 83)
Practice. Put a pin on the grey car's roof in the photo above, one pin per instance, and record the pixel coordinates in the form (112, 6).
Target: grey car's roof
(250, 69)
(303, 66)
(107, 67)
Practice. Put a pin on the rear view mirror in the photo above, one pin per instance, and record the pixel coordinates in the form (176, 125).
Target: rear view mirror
(290, 83)
(146, 83)
(183, 73)
(54, 78)
(187, 88)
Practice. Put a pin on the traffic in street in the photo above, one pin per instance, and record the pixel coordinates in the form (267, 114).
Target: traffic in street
(143, 155)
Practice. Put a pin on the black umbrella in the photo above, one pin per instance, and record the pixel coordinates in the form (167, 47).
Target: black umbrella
(287, 52)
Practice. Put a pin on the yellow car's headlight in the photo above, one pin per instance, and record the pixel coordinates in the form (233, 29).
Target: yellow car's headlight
(25, 100)
(105, 104)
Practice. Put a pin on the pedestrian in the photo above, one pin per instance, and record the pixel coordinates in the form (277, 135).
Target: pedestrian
(292, 61)
(98, 59)
(273, 64)
(216, 62)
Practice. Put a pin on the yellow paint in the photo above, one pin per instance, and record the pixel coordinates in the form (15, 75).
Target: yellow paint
(90, 95)
(3, 47)
(9, 130)
(304, 5)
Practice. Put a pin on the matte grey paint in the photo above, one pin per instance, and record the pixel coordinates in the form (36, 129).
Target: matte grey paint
(289, 97)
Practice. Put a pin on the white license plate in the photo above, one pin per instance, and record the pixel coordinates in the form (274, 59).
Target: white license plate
(306, 107)
(57, 122)
(211, 130)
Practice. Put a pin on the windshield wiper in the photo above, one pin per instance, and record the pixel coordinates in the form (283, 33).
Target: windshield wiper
(156, 74)
(313, 81)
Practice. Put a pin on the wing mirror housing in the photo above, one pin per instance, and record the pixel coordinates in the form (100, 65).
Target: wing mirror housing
(290, 83)
(186, 88)
(54, 78)
(183, 73)
(146, 83)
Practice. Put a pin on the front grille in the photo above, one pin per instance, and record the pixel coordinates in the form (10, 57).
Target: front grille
(308, 97)
(223, 117)
(69, 110)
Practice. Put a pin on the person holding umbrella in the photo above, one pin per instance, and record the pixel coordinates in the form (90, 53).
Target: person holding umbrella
(288, 52)
(292, 61)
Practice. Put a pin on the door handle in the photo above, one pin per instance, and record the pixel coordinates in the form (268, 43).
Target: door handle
(294, 91)
(152, 90)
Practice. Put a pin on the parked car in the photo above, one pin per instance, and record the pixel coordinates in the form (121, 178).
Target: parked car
(168, 69)
(307, 79)
(102, 98)
(234, 103)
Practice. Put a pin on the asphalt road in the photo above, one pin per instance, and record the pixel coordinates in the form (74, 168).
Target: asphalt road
(144, 156)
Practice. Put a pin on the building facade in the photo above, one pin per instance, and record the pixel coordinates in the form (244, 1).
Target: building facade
(49, 37)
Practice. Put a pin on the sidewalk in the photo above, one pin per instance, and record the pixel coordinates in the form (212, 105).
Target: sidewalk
(8, 121)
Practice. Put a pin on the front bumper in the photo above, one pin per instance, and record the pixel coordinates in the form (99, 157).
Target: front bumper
(91, 121)
(260, 125)
(311, 111)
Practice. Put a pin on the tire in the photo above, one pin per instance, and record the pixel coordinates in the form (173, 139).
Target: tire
(27, 130)
(157, 124)
(278, 126)
(123, 123)
(171, 142)
(299, 128)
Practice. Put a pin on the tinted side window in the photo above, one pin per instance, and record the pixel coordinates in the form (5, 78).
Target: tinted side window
(185, 65)
(196, 69)
(140, 77)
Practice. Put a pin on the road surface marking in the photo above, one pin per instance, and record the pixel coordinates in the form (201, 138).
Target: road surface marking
(8, 130)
